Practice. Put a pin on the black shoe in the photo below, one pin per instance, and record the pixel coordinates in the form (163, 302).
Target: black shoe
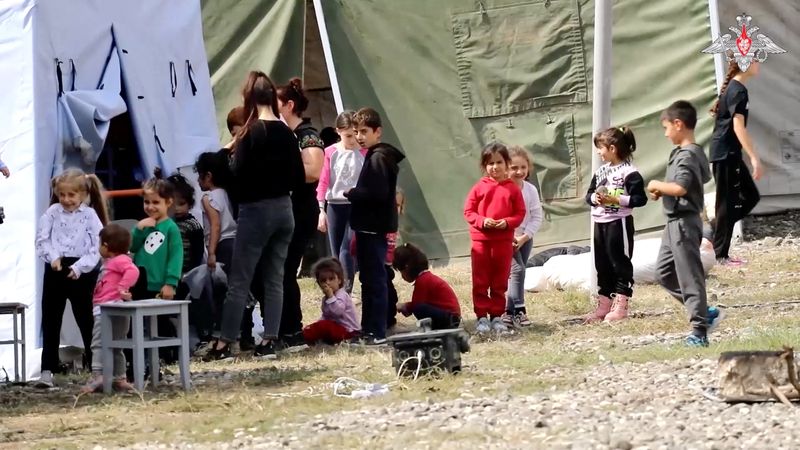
(292, 343)
(223, 354)
(265, 350)
(372, 340)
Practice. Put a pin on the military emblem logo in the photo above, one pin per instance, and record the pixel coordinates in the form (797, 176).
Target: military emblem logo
(748, 46)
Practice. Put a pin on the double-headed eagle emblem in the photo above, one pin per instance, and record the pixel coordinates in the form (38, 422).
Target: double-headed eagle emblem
(744, 49)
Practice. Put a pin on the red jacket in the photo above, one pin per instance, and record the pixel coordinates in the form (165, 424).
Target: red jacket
(432, 290)
(494, 200)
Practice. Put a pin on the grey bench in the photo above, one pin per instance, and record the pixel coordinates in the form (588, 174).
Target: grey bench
(137, 311)
(17, 312)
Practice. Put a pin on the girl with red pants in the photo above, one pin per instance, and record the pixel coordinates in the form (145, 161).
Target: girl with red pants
(494, 209)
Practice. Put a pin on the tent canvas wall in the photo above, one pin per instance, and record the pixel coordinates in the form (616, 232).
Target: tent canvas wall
(164, 72)
(471, 72)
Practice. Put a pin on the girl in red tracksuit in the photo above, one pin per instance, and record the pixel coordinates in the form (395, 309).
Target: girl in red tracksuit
(494, 209)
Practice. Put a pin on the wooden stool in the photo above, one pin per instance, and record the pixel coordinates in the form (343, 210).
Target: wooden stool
(16, 310)
(137, 311)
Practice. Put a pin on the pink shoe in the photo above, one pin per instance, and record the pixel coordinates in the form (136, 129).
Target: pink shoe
(94, 385)
(619, 310)
(603, 308)
(121, 384)
(731, 262)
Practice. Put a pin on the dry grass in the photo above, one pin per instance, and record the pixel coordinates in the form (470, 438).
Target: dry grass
(257, 396)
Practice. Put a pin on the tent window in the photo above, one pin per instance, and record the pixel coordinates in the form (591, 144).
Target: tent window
(516, 58)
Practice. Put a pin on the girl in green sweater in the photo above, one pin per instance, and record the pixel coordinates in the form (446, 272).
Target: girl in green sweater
(157, 245)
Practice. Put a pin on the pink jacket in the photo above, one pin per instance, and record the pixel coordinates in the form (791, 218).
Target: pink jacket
(340, 309)
(119, 274)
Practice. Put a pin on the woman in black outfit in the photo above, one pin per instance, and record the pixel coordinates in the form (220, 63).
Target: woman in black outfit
(268, 168)
(737, 194)
(291, 103)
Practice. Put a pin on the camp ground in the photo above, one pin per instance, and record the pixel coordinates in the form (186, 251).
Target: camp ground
(120, 88)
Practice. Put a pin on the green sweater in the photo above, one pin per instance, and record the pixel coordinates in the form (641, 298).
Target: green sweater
(159, 250)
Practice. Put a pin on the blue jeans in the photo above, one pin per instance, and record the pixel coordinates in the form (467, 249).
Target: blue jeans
(371, 256)
(264, 230)
(440, 319)
(515, 296)
(339, 237)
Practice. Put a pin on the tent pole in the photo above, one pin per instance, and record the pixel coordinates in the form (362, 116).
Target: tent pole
(326, 49)
(719, 64)
(601, 92)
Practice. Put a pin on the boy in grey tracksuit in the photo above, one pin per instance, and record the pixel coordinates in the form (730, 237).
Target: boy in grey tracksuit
(679, 268)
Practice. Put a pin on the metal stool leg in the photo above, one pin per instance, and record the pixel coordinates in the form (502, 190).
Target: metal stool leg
(138, 351)
(16, 346)
(183, 355)
(153, 352)
(24, 349)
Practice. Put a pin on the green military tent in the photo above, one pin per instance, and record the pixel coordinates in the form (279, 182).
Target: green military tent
(449, 76)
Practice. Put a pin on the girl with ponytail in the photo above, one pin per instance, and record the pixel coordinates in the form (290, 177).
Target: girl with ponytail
(736, 192)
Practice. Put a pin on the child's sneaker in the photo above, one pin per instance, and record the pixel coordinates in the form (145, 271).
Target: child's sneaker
(731, 262)
(696, 341)
(484, 326)
(121, 384)
(498, 326)
(715, 316)
(45, 380)
(94, 385)
(522, 319)
(507, 319)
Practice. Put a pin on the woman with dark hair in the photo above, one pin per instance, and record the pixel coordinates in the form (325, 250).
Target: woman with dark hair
(267, 168)
(291, 104)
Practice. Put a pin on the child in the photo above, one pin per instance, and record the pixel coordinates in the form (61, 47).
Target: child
(494, 209)
(339, 321)
(432, 298)
(373, 215)
(68, 240)
(737, 194)
(157, 245)
(523, 237)
(679, 268)
(119, 274)
(219, 226)
(340, 170)
(616, 188)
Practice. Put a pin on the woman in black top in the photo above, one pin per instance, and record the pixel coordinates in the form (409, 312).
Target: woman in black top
(737, 194)
(267, 168)
(291, 103)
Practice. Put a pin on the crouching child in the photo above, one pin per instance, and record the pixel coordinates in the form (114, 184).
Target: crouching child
(339, 321)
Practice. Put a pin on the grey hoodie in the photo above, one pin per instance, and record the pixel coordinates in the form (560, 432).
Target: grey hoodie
(688, 167)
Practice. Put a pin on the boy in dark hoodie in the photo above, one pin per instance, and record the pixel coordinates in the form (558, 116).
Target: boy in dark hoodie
(679, 268)
(373, 214)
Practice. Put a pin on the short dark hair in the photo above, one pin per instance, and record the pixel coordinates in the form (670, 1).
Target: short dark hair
(621, 138)
(328, 265)
(183, 189)
(491, 149)
(217, 165)
(367, 117)
(116, 238)
(410, 257)
(236, 118)
(683, 111)
(329, 136)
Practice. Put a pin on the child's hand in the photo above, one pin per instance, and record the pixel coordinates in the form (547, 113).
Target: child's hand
(147, 222)
(521, 240)
(125, 294)
(212, 262)
(6, 173)
(56, 265)
(501, 224)
(611, 200)
(599, 198)
(167, 292)
(489, 223)
(652, 189)
(73, 275)
(327, 290)
(322, 222)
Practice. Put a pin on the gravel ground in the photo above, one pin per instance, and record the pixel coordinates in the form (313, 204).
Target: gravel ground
(655, 405)
(616, 406)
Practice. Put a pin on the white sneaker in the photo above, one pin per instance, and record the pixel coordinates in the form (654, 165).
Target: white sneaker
(499, 326)
(484, 326)
(45, 380)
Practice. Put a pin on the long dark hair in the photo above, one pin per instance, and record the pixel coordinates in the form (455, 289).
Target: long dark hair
(621, 138)
(733, 70)
(258, 90)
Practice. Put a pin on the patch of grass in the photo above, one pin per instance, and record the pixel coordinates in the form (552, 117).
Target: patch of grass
(249, 394)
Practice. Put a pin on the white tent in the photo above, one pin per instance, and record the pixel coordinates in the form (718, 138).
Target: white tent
(154, 48)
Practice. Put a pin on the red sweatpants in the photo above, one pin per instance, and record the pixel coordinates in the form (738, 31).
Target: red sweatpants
(326, 331)
(491, 266)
